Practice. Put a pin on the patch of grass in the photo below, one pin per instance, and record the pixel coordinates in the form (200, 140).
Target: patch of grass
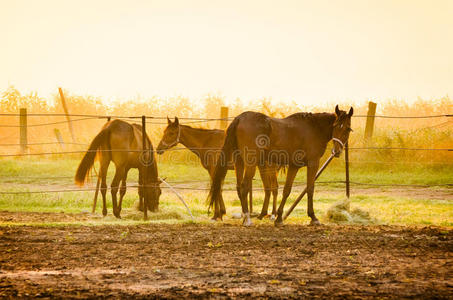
(22, 175)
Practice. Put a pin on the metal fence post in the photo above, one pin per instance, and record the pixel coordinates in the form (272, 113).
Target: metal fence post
(346, 160)
(145, 168)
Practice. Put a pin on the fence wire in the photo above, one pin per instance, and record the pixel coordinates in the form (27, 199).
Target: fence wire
(183, 149)
(178, 187)
(196, 119)
(83, 117)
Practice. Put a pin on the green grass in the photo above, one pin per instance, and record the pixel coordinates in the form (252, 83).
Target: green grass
(384, 208)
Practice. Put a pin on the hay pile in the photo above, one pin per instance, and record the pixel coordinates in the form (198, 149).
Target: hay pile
(340, 212)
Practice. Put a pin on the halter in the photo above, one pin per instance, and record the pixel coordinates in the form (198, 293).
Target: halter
(175, 142)
(339, 142)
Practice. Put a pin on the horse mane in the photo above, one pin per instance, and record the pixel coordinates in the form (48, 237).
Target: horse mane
(207, 130)
(321, 121)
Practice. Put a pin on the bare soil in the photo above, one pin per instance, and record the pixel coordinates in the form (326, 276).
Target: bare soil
(225, 261)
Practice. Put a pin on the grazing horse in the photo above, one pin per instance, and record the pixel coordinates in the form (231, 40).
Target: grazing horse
(122, 143)
(206, 144)
(255, 139)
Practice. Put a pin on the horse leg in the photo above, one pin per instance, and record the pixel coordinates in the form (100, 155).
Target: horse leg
(267, 192)
(122, 192)
(245, 188)
(239, 170)
(119, 175)
(274, 187)
(103, 174)
(219, 210)
(312, 169)
(251, 198)
(292, 172)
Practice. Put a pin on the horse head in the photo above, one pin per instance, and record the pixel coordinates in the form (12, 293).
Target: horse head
(341, 129)
(171, 136)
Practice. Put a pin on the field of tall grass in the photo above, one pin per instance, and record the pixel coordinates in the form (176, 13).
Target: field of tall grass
(412, 133)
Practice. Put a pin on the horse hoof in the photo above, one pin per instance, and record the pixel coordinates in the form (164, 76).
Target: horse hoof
(315, 222)
(273, 217)
(261, 216)
(278, 223)
(247, 223)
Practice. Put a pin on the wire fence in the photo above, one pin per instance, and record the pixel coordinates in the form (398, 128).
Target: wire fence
(185, 149)
(177, 184)
(229, 189)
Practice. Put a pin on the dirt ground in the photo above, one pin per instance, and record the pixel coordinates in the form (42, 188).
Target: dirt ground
(225, 261)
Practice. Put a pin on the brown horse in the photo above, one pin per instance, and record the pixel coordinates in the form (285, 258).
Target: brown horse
(255, 139)
(121, 142)
(206, 144)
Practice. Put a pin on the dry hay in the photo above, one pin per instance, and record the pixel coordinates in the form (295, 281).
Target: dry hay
(340, 212)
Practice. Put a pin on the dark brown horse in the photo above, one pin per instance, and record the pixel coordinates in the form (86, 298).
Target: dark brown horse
(206, 144)
(121, 142)
(254, 139)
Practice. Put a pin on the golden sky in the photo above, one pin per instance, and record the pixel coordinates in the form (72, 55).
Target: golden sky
(307, 51)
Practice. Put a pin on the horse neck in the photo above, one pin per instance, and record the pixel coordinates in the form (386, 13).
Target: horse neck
(325, 125)
(192, 139)
(151, 171)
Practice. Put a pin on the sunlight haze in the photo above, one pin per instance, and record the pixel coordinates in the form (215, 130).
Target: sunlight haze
(306, 51)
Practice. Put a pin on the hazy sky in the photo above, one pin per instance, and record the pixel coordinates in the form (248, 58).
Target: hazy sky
(308, 51)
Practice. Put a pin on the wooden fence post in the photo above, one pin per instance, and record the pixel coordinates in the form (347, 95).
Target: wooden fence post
(23, 130)
(63, 101)
(59, 137)
(224, 117)
(369, 127)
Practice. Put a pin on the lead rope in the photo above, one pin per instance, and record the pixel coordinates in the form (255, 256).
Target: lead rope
(179, 196)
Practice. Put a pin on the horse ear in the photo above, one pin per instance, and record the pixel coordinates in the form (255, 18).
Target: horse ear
(351, 111)
(168, 121)
(176, 121)
(337, 110)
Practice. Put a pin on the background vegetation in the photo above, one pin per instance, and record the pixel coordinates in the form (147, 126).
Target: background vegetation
(54, 172)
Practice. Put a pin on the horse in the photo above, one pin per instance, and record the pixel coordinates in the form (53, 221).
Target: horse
(122, 143)
(254, 139)
(206, 144)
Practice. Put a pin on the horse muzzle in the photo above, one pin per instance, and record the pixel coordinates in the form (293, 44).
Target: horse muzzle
(336, 151)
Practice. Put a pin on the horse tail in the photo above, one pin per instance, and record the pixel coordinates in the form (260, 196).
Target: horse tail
(88, 159)
(221, 166)
(282, 170)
